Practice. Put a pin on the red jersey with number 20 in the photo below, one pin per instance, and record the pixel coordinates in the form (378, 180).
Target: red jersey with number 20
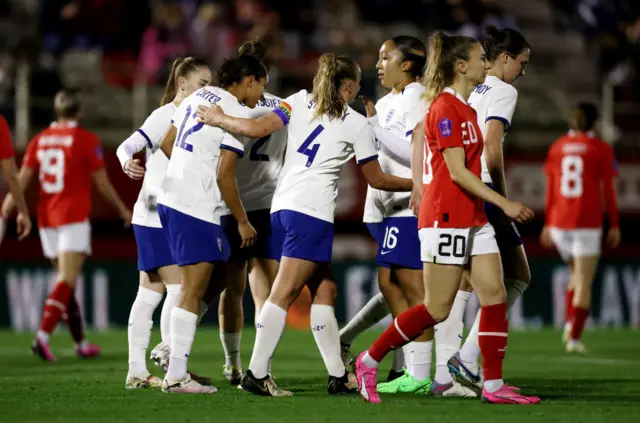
(66, 157)
(580, 170)
(450, 123)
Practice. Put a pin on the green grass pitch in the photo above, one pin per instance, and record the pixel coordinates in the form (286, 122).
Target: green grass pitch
(603, 386)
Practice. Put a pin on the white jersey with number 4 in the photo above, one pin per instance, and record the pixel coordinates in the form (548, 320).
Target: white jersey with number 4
(152, 130)
(190, 183)
(257, 173)
(493, 100)
(317, 149)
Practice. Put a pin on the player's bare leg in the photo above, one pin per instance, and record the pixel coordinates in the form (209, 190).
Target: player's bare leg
(231, 319)
(584, 270)
(324, 326)
(397, 303)
(417, 378)
(150, 293)
(171, 277)
(69, 264)
(184, 318)
(262, 273)
(293, 275)
(487, 281)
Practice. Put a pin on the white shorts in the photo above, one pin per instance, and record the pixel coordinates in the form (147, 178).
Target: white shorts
(455, 246)
(576, 242)
(74, 237)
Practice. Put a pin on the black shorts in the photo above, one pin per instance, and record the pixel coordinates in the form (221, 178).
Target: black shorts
(507, 234)
(261, 221)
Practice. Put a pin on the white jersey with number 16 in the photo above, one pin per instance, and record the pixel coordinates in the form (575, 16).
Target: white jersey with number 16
(316, 151)
(190, 184)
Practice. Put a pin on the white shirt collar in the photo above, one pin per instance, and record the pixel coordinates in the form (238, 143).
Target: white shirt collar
(453, 92)
(68, 124)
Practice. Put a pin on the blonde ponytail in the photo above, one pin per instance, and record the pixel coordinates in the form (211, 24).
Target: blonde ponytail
(181, 68)
(332, 72)
(433, 79)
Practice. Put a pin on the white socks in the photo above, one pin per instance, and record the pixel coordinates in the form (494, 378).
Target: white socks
(470, 351)
(139, 330)
(398, 360)
(325, 332)
(183, 331)
(202, 310)
(231, 346)
(268, 332)
(173, 292)
(448, 336)
(369, 361)
(372, 312)
(420, 362)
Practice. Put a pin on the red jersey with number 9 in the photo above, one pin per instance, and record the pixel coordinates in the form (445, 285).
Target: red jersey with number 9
(65, 157)
(450, 123)
(580, 168)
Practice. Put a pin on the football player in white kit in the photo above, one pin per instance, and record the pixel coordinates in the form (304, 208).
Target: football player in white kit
(323, 134)
(400, 66)
(155, 262)
(494, 101)
(199, 185)
(257, 175)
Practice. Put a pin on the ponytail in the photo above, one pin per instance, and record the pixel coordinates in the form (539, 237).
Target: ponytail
(332, 72)
(181, 68)
(584, 117)
(444, 51)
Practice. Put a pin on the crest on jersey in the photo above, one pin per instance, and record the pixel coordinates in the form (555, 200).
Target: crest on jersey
(389, 115)
(445, 127)
(98, 152)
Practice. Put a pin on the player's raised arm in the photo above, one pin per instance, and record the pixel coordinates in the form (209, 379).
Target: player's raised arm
(254, 128)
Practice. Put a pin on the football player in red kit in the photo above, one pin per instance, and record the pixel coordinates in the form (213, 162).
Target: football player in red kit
(66, 159)
(580, 169)
(10, 174)
(453, 228)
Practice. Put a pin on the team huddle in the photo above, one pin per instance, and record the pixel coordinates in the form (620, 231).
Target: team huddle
(240, 185)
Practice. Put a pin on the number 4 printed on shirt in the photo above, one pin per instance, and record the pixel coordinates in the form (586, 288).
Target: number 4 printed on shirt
(311, 152)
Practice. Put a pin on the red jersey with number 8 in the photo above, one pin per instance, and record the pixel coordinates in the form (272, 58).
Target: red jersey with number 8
(450, 123)
(65, 157)
(580, 168)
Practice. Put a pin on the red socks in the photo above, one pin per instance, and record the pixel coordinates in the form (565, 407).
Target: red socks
(55, 306)
(492, 339)
(580, 316)
(568, 306)
(74, 320)
(405, 328)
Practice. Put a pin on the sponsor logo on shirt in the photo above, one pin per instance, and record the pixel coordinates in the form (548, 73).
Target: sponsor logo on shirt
(445, 127)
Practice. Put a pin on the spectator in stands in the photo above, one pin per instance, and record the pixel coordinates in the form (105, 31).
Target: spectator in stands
(164, 40)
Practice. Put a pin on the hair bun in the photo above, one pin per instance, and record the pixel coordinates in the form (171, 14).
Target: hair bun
(492, 31)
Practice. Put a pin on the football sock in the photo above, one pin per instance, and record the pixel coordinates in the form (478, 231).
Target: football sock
(325, 332)
(443, 376)
(407, 326)
(372, 312)
(173, 292)
(54, 307)
(470, 350)
(420, 367)
(515, 289)
(398, 360)
(183, 331)
(269, 329)
(231, 347)
(580, 316)
(568, 306)
(74, 321)
(448, 334)
(202, 310)
(492, 336)
(139, 330)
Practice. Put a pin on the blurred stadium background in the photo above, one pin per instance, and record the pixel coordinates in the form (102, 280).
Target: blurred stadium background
(118, 53)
